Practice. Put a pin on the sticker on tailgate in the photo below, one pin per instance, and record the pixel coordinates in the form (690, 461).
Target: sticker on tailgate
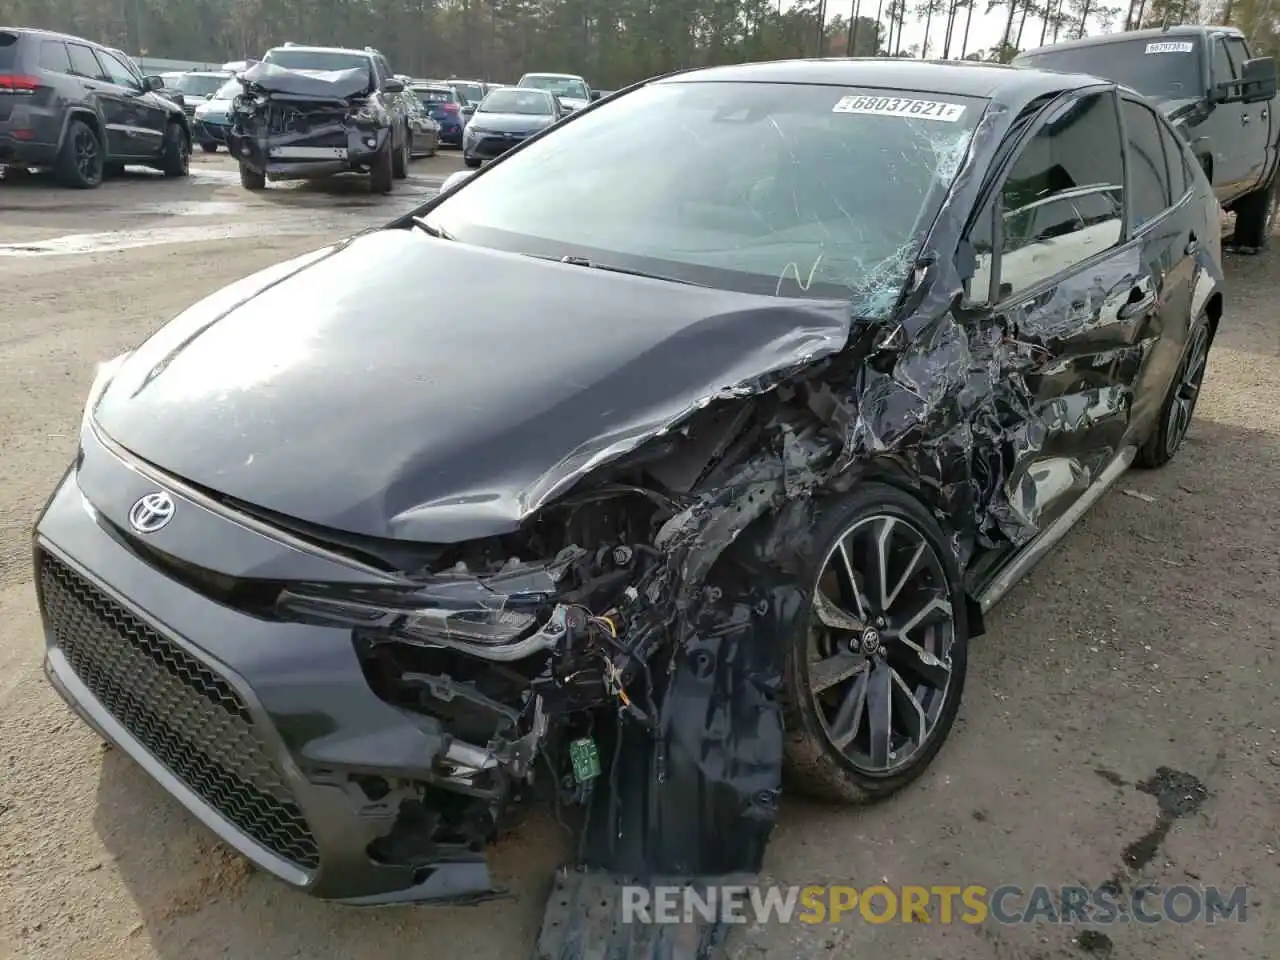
(1171, 46)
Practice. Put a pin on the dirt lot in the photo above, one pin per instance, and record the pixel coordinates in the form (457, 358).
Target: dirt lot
(1148, 641)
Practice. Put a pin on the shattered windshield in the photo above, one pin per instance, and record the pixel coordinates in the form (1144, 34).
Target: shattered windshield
(784, 189)
(569, 87)
(1168, 69)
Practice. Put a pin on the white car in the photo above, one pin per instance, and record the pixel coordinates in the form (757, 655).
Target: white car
(572, 91)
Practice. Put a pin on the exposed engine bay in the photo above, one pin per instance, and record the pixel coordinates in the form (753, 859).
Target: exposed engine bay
(584, 650)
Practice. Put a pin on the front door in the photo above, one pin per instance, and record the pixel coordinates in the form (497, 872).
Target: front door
(138, 122)
(1072, 294)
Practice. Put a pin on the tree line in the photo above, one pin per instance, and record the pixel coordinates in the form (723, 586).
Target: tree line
(611, 42)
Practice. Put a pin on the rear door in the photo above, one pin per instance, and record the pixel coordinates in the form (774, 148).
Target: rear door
(141, 119)
(1074, 294)
(103, 95)
(1163, 225)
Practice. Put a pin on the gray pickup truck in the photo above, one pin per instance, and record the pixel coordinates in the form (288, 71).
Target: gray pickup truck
(1208, 83)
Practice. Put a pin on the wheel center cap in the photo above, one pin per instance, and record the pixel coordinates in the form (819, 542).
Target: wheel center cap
(869, 642)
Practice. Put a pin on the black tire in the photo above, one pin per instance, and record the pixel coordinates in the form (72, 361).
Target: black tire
(252, 179)
(80, 162)
(382, 170)
(471, 162)
(1180, 404)
(400, 158)
(1253, 217)
(868, 662)
(208, 146)
(175, 154)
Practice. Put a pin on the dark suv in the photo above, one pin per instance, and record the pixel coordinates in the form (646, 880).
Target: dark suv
(312, 112)
(83, 110)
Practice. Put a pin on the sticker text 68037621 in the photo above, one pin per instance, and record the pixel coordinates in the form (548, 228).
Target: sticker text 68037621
(900, 107)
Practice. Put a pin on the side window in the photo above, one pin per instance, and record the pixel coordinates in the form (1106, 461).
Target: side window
(117, 72)
(84, 63)
(1179, 182)
(1148, 177)
(53, 57)
(1238, 53)
(1063, 199)
(1222, 71)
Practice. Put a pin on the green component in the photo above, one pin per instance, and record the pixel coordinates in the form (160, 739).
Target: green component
(586, 759)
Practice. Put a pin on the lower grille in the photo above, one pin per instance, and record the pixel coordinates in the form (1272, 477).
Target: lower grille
(184, 713)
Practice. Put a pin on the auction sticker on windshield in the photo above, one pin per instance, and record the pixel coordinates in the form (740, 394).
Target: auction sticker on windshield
(900, 107)
(1171, 46)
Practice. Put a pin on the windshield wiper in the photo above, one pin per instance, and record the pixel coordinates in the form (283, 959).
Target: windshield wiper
(429, 230)
(610, 268)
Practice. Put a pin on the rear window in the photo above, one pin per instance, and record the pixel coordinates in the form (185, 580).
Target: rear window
(8, 50)
(1164, 69)
(435, 96)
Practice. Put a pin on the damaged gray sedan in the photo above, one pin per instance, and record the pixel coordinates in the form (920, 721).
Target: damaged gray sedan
(749, 422)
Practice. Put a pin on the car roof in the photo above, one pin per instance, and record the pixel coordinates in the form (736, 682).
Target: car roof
(305, 49)
(51, 35)
(967, 78)
(566, 76)
(1155, 33)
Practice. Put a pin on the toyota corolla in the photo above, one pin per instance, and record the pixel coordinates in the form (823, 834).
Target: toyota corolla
(750, 421)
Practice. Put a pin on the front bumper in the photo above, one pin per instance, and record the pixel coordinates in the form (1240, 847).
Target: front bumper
(266, 731)
(489, 146)
(209, 131)
(298, 157)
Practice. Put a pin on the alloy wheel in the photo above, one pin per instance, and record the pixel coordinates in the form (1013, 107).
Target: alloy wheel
(1186, 390)
(882, 628)
(88, 156)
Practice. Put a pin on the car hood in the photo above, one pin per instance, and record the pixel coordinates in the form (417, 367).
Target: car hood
(572, 103)
(213, 108)
(331, 84)
(510, 122)
(332, 391)
(1178, 108)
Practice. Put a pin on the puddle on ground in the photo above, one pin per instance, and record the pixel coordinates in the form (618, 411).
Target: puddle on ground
(85, 243)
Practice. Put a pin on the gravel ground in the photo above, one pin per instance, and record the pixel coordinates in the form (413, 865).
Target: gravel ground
(1147, 641)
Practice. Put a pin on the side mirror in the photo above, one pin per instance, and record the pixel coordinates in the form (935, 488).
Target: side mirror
(393, 86)
(595, 94)
(469, 109)
(1258, 79)
(454, 179)
(152, 83)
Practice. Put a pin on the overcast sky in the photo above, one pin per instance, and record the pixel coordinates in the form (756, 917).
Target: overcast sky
(985, 31)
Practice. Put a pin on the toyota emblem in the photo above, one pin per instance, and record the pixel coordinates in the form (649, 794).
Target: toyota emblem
(152, 512)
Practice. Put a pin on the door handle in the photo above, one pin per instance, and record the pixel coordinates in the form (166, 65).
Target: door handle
(1244, 118)
(1192, 245)
(1140, 301)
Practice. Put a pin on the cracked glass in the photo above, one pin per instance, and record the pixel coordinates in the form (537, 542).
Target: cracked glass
(787, 190)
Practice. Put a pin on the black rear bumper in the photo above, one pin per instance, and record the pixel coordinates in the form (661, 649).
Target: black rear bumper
(265, 731)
